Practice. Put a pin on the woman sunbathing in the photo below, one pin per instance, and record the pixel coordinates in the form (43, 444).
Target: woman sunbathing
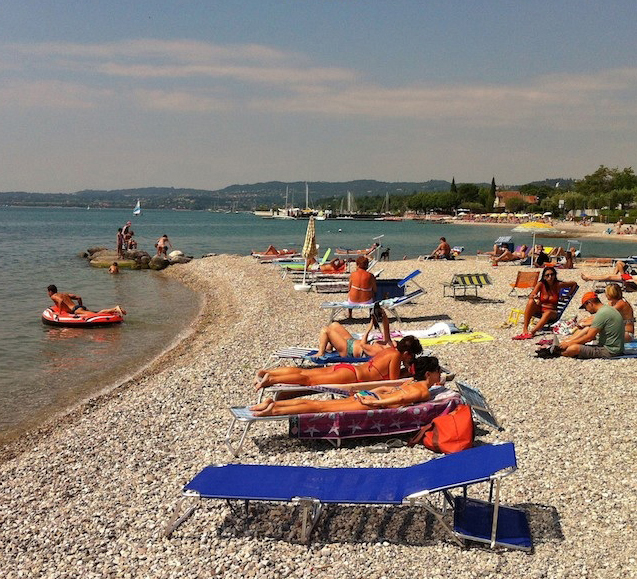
(336, 337)
(543, 302)
(427, 374)
(620, 274)
(511, 255)
(385, 365)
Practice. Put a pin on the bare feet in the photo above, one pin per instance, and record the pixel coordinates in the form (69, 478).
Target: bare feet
(120, 310)
(585, 277)
(263, 409)
(258, 384)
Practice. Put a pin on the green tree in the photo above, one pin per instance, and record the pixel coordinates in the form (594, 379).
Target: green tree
(453, 189)
(515, 204)
(468, 192)
(490, 201)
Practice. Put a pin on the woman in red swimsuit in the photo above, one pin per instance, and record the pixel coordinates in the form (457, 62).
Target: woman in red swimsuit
(543, 302)
(426, 375)
(385, 365)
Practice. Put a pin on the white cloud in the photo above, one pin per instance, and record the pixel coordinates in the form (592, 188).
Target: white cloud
(199, 77)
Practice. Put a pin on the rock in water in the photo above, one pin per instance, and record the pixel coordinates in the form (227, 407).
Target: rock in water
(158, 262)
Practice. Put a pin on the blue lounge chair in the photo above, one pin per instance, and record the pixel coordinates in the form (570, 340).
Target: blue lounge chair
(312, 487)
(389, 302)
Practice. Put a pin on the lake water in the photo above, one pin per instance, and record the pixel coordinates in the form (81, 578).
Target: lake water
(45, 370)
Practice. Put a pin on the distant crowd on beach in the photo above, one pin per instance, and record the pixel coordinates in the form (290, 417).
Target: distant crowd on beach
(126, 242)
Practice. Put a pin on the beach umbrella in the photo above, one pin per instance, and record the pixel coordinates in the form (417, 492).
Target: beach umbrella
(309, 251)
(547, 214)
(535, 228)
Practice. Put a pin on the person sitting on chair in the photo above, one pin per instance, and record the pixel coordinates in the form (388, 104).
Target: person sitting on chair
(539, 256)
(386, 365)
(607, 326)
(543, 302)
(426, 375)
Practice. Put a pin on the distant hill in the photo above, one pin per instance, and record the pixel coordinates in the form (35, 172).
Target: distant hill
(241, 197)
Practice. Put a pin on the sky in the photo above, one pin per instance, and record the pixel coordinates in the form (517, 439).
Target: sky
(119, 94)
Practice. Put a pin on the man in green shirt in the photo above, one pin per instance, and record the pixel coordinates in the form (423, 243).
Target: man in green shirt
(607, 327)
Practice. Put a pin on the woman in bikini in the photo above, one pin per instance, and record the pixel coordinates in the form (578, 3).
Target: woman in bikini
(543, 302)
(426, 375)
(511, 255)
(362, 284)
(336, 338)
(386, 365)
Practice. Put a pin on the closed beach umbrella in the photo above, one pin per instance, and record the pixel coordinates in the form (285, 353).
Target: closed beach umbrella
(536, 228)
(309, 249)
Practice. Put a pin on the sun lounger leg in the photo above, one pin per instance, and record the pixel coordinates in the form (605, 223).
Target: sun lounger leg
(496, 506)
(236, 450)
(178, 519)
(426, 504)
(312, 509)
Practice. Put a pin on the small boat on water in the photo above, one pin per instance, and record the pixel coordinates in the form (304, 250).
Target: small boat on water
(138, 208)
(53, 317)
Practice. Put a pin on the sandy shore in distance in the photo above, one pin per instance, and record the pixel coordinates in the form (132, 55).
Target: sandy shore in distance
(570, 229)
(90, 496)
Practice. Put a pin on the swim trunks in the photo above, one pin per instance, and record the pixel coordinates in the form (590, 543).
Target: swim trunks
(78, 307)
(350, 347)
(366, 393)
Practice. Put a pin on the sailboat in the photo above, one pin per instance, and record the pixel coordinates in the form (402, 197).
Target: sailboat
(138, 208)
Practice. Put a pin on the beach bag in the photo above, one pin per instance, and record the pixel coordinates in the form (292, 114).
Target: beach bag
(452, 432)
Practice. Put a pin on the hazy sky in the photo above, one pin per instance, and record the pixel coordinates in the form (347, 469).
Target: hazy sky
(118, 94)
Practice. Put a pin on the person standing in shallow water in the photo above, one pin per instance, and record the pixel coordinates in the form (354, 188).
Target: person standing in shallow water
(120, 243)
(162, 245)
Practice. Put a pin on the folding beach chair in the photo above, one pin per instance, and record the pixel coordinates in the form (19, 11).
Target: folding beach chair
(466, 282)
(414, 486)
(525, 280)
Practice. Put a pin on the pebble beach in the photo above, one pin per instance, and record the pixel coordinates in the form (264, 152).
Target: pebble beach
(89, 494)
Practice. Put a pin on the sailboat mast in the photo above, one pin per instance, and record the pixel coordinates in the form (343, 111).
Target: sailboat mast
(307, 196)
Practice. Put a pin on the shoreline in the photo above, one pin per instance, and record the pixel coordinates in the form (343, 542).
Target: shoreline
(91, 496)
(21, 441)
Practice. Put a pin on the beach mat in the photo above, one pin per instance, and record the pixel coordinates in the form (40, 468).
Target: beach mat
(472, 337)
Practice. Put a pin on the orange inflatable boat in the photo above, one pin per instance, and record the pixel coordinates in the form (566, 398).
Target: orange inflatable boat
(52, 317)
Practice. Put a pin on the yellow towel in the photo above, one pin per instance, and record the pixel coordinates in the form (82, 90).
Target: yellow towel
(473, 337)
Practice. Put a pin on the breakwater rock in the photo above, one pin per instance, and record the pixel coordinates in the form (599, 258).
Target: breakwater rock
(132, 259)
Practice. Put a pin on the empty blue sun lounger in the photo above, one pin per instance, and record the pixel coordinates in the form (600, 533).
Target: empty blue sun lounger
(413, 486)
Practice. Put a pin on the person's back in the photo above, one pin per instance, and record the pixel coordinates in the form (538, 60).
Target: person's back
(361, 286)
(610, 324)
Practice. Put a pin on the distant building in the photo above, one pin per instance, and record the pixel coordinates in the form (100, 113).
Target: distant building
(501, 197)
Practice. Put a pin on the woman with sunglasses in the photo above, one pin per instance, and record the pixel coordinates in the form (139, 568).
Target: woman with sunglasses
(543, 302)
(427, 375)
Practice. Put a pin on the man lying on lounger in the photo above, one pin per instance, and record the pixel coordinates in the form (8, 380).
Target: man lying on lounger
(607, 326)
(427, 374)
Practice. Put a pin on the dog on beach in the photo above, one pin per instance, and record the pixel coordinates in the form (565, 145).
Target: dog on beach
(384, 256)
